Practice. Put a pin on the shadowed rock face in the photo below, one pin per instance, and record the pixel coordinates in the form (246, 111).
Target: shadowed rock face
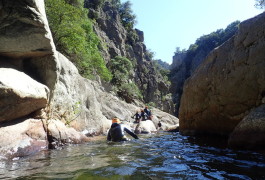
(228, 84)
(250, 132)
(23, 29)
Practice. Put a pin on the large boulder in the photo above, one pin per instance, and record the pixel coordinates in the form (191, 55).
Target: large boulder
(145, 127)
(27, 136)
(24, 30)
(249, 133)
(20, 95)
(228, 84)
(167, 121)
(22, 138)
(59, 134)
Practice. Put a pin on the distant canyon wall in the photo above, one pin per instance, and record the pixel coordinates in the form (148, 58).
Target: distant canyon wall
(130, 44)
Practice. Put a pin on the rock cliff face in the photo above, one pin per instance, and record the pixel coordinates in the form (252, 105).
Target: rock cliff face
(48, 102)
(182, 67)
(120, 42)
(185, 62)
(228, 84)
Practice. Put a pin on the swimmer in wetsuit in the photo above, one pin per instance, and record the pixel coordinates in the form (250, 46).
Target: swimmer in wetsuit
(116, 132)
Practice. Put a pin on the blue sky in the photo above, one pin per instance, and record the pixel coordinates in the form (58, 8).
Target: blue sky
(168, 24)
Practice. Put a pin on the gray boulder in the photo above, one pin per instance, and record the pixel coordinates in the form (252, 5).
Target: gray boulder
(60, 134)
(145, 127)
(20, 95)
(168, 122)
(23, 29)
(249, 133)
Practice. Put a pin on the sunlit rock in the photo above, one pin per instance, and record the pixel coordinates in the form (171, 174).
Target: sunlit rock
(22, 138)
(20, 95)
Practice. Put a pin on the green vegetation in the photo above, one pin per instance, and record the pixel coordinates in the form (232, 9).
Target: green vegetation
(207, 43)
(72, 28)
(121, 68)
(74, 37)
(128, 19)
(94, 4)
(260, 4)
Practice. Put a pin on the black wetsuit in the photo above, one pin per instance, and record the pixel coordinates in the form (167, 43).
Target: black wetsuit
(116, 133)
(148, 112)
(137, 117)
(144, 116)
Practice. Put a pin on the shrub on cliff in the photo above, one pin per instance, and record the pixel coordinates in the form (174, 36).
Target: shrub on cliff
(94, 4)
(127, 16)
(74, 37)
(121, 68)
(260, 4)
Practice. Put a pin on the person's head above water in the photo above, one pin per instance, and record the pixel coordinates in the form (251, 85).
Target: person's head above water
(116, 120)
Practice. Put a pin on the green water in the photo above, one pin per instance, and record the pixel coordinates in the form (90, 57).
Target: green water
(158, 156)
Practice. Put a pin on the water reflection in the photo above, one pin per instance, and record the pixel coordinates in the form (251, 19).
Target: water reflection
(160, 156)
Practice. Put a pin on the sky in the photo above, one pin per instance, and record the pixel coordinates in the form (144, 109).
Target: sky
(168, 24)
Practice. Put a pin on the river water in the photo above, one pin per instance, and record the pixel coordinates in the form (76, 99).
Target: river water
(158, 156)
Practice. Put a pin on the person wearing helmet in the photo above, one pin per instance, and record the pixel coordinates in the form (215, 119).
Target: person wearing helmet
(143, 115)
(148, 112)
(116, 132)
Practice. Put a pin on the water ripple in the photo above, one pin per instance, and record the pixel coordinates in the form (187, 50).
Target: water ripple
(160, 156)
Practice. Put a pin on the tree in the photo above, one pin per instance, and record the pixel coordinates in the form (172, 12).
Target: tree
(116, 4)
(94, 4)
(260, 4)
(120, 68)
(74, 36)
(127, 17)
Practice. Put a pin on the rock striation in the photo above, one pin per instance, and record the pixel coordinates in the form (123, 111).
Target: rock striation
(228, 84)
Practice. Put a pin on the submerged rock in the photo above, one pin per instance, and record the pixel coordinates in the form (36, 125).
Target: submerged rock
(59, 134)
(22, 138)
(250, 132)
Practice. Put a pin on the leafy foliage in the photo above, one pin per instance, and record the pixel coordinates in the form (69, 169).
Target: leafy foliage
(260, 4)
(127, 17)
(94, 4)
(207, 43)
(74, 37)
(129, 91)
(120, 68)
